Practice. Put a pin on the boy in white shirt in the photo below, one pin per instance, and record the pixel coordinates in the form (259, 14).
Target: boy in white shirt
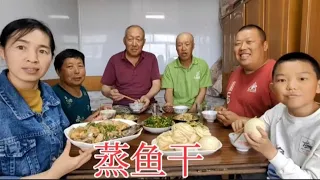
(293, 125)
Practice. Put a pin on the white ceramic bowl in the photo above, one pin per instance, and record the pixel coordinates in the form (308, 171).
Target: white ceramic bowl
(180, 109)
(84, 145)
(209, 115)
(108, 113)
(136, 107)
(241, 144)
(156, 130)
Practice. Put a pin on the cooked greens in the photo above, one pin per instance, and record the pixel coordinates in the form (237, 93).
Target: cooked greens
(158, 122)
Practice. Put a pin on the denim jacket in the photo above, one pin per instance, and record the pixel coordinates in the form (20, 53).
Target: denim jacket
(29, 141)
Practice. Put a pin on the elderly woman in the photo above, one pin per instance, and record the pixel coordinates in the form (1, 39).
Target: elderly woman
(70, 66)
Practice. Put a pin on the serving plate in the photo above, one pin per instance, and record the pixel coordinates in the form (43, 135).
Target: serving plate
(191, 152)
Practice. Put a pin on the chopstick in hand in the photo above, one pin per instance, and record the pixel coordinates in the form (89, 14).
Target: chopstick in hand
(130, 98)
(240, 132)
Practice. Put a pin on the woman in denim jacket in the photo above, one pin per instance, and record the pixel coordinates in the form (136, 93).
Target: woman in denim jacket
(32, 121)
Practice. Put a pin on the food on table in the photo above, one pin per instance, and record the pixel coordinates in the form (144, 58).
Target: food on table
(120, 109)
(209, 143)
(158, 122)
(251, 126)
(164, 140)
(127, 116)
(185, 117)
(95, 132)
(186, 133)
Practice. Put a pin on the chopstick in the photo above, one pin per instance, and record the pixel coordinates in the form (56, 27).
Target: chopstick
(240, 132)
(130, 98)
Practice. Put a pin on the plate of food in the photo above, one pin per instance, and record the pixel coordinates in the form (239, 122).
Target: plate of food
(131, 117)
(185, 117)
(86, 135)
(157, 124)
(184, 133)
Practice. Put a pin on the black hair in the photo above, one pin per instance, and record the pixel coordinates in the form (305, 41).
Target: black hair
(298, 56)
(259, 29)
(22, 27)
(67, 53)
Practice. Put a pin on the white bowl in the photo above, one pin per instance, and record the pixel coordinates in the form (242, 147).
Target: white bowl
(108, 113)
(241, 144)
(83, 145)
(180, 109)
(156, 130)
(136, 107)
(209, 115)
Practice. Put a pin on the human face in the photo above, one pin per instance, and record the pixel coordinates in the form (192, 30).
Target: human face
(134, 41)
(28, 58)
(72, 72)
(184, 46)
(295, 84)
(249, 49)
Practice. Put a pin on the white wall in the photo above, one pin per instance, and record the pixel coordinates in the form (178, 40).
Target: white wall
(65, 31)
(102, 25)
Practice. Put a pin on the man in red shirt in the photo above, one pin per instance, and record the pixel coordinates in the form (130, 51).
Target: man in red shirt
(132, 72)
(248, 92)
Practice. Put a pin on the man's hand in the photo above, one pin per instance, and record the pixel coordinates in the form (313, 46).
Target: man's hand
(238, 124)
(193, 109)
(146, 101)
(227, 117)
(115, 95)
(220, 108)
(168, 108)
(262, 145)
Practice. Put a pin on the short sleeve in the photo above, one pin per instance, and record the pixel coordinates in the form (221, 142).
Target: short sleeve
(109, 75)
(155, 74)
(167, 81)
(205, 80)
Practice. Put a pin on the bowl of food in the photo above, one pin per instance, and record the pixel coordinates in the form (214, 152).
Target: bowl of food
(157, 124)
(209, 115)
(180, 109)
(185, 117)
(136, 106)
(107, 113)
(131, 117)
(241, 143)
(87, 135)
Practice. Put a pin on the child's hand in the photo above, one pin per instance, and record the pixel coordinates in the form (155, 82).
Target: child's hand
(238, 124)
(262, 145)
(65, 163)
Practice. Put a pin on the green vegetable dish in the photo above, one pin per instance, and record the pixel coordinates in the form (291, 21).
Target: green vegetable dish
(158, 122)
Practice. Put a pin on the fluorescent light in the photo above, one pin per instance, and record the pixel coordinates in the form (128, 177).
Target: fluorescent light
(155, 16)
(59, 17)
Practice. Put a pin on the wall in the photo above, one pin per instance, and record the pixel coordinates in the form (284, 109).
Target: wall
(65, 27)
(102, 25)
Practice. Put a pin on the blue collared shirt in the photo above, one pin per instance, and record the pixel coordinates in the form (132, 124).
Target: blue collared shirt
(29, 141)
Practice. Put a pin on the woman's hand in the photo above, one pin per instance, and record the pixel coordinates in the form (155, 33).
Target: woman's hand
(65, 163)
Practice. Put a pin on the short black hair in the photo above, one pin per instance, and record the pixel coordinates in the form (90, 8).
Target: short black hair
(259, 29)
(22, 27)
(298, 56)
(67, 53)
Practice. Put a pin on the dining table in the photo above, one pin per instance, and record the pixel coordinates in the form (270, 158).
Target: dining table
(226, 161)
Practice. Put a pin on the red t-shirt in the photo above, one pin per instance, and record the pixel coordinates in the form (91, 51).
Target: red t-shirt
(249, 95)
(133, 81)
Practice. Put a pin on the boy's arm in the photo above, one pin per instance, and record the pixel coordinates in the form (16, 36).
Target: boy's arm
(287, 169)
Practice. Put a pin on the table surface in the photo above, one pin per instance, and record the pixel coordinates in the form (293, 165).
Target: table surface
(227, 160)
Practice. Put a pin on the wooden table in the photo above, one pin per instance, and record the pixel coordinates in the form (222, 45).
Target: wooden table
(227, 160)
